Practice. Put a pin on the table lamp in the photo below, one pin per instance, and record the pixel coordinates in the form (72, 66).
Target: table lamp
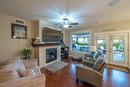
(93, 49)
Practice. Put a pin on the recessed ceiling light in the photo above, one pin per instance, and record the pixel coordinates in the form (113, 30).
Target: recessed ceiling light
(113, 3)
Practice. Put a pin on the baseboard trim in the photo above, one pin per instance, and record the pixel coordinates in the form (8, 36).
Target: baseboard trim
(121, 68)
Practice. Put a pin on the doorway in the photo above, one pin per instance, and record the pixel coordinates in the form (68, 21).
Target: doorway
(114, 47)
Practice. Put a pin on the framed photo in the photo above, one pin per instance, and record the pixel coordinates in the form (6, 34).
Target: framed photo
(18, 31)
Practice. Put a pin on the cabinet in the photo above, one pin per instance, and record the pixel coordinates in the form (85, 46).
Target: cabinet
(64, 52)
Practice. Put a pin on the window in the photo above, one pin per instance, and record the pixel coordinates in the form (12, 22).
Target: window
(81, 41)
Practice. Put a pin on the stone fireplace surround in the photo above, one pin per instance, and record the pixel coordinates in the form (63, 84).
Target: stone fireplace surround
(42, 55)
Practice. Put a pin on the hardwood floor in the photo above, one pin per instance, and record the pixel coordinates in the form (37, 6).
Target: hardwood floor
(66, 77)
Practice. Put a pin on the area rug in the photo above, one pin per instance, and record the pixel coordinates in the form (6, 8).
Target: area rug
(56, 66)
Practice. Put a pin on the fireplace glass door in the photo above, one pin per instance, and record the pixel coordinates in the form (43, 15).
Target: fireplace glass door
(51, 54)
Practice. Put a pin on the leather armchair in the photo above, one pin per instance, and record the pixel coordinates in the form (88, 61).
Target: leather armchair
(92, 75)
(89, 59)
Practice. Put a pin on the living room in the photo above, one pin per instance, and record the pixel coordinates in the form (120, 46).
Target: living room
(64, 43)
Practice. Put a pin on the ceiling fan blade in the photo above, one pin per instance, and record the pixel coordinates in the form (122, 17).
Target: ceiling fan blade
(74, 23)
(60, 26)
(70, 26)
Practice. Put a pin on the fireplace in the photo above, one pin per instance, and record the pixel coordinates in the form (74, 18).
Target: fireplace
(48, 55)
(51, 54)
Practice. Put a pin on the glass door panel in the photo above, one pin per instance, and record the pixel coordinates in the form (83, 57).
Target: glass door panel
(119, 49)
(118, 53)
(102, 46)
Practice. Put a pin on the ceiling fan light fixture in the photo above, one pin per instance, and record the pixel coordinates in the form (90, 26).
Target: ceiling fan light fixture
(66, 26)
(67, 23)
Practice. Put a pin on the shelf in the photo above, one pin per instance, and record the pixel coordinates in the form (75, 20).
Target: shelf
(46, 44)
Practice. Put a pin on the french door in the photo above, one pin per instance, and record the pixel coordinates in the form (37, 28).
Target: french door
(102, 43)
(114, 47)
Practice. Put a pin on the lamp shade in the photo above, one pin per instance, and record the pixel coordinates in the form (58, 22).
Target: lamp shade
(37, 38)
(93, 48)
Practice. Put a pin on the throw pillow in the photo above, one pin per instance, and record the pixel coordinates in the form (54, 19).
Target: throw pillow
(36, 71)
(96, 55)
(23, 73)
(90, 59)
(19, 64)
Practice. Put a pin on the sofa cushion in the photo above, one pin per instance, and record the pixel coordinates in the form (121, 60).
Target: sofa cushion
(6, 75)
(87, 55)
(3, 63)
(98, 64)
(23, 73)
(30, 63)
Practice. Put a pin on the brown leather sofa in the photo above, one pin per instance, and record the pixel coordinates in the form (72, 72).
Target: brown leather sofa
(92, 75)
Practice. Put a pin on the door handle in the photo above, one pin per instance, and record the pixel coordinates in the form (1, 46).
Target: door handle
(111, 50)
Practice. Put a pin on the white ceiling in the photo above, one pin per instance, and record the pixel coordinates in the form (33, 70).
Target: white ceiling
(86, 12)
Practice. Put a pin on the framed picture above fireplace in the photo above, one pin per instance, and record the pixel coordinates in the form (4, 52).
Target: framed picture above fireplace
(51, 35)
(18, 31)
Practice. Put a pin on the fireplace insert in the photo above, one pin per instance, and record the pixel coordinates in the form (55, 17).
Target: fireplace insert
(51, 54)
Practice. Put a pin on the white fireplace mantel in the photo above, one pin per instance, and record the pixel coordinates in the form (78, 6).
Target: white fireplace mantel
(42, 55)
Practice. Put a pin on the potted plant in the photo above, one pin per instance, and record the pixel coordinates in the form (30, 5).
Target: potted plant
(26, 53)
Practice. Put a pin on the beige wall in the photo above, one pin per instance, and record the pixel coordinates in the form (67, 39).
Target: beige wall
(10, 48)
(66, 37)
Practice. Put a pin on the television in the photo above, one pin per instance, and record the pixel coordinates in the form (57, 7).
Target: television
(51, 35)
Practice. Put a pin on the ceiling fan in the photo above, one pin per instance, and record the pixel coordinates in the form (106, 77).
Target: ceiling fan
(66, 23)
